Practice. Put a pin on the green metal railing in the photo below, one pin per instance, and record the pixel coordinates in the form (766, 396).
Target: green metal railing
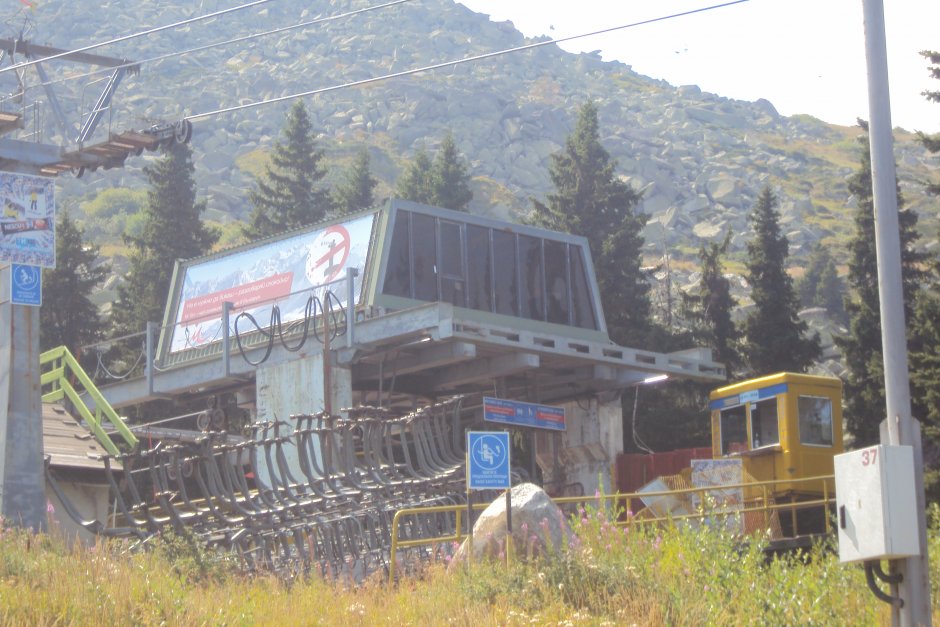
(59, 370)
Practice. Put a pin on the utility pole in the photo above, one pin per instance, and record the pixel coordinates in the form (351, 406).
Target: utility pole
(22, 482)
(22, 473)
(899, 428)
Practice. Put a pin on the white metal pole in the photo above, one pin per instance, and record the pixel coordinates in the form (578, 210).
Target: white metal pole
(914, 587)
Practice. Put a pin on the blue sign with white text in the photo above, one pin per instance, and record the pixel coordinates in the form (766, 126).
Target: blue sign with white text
(488, 460)
(26, 285)
(523, 414)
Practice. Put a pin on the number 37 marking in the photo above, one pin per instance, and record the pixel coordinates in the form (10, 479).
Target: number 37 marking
(869, 457)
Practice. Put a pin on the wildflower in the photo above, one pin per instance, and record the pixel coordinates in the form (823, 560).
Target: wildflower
(50, 508)
(525, 529)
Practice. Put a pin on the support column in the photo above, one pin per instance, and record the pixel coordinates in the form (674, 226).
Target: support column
(297, 387)
(22, 482)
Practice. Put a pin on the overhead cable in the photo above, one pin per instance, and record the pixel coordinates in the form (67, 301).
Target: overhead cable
(135, 35)
(243, 38)
(454, 62)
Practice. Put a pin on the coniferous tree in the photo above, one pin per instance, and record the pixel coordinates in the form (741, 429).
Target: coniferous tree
(415, 184)
(821, 285)
(355, 193)
(449, 178)
(173, 230)
(932, 142)
(775, 337)
(443, 182)
(924, 340)
(708, 312)
(68, 317)
(590, 200)
(289, 195)
(861, 349)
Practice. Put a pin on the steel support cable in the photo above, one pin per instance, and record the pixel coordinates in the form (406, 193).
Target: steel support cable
(241, 39)
(143, 33)
(455, 62)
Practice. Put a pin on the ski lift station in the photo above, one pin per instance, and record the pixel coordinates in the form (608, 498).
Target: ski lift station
(399, 306)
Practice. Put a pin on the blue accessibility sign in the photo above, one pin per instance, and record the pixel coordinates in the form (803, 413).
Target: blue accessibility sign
(488, 460)
(26, 285)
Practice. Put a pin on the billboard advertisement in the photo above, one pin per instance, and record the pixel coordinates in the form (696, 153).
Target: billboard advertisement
(285, 273)
(27, 219)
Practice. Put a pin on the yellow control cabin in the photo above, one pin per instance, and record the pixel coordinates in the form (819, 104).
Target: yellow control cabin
(783, 426)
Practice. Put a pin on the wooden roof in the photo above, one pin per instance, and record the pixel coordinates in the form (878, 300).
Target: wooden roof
(69, 443)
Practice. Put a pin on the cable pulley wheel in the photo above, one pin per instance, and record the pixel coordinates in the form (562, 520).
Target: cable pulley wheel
(183, 131)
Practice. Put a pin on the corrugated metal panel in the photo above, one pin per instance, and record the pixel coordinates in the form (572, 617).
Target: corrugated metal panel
(69, 443)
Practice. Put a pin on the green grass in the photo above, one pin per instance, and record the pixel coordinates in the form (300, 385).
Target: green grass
(608, 576)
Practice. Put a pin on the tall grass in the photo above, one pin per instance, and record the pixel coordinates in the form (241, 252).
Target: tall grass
(608, 576)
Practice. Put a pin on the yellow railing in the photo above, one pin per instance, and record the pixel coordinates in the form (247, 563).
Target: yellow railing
(762, 504)
(60, 368)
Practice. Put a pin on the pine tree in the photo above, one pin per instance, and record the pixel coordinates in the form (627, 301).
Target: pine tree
(173, 230)
(821, 285)
(289, 196)
(924, 342)
(775, 337)
(355, 193)
(708, 312)
(590, 200)
(68, 317)
(861, 350)
(932, 142)
(450, 185)
(415, 183)
(924, 345)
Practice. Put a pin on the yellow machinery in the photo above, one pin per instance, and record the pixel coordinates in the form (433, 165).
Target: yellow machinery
(782, 426)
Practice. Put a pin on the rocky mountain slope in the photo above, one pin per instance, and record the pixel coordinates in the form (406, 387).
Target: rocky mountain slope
(700, 159)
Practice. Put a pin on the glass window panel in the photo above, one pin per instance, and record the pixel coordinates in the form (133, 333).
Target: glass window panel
(764, 423)
(504, 258)
(583, 303)
(424, 245)
(530, 259)
(556, 282)
(452, 276)
(451, 250)
(733, 430)
(398, 270)
(479, 274)
(815, 420)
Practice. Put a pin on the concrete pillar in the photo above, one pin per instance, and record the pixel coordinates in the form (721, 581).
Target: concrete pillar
(22, 482)
(297, 387)
(588, 447)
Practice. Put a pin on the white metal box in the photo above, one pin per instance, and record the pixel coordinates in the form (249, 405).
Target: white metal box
(876, 504)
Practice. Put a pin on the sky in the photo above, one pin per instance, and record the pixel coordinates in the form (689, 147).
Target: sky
(804, 56)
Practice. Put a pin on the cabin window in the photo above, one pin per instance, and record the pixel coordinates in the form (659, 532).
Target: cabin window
(764, 423)
(815, 420)
(489, 269)
(452, 274)
(583, 304)
(398, 272)
(558, 297)
(733, 430)
(504, 260)
(424, 257)
(531, 280)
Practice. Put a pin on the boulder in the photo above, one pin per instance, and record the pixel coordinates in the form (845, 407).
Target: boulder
(538, 526)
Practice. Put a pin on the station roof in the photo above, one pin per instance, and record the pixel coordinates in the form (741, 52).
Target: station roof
(445, 302)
